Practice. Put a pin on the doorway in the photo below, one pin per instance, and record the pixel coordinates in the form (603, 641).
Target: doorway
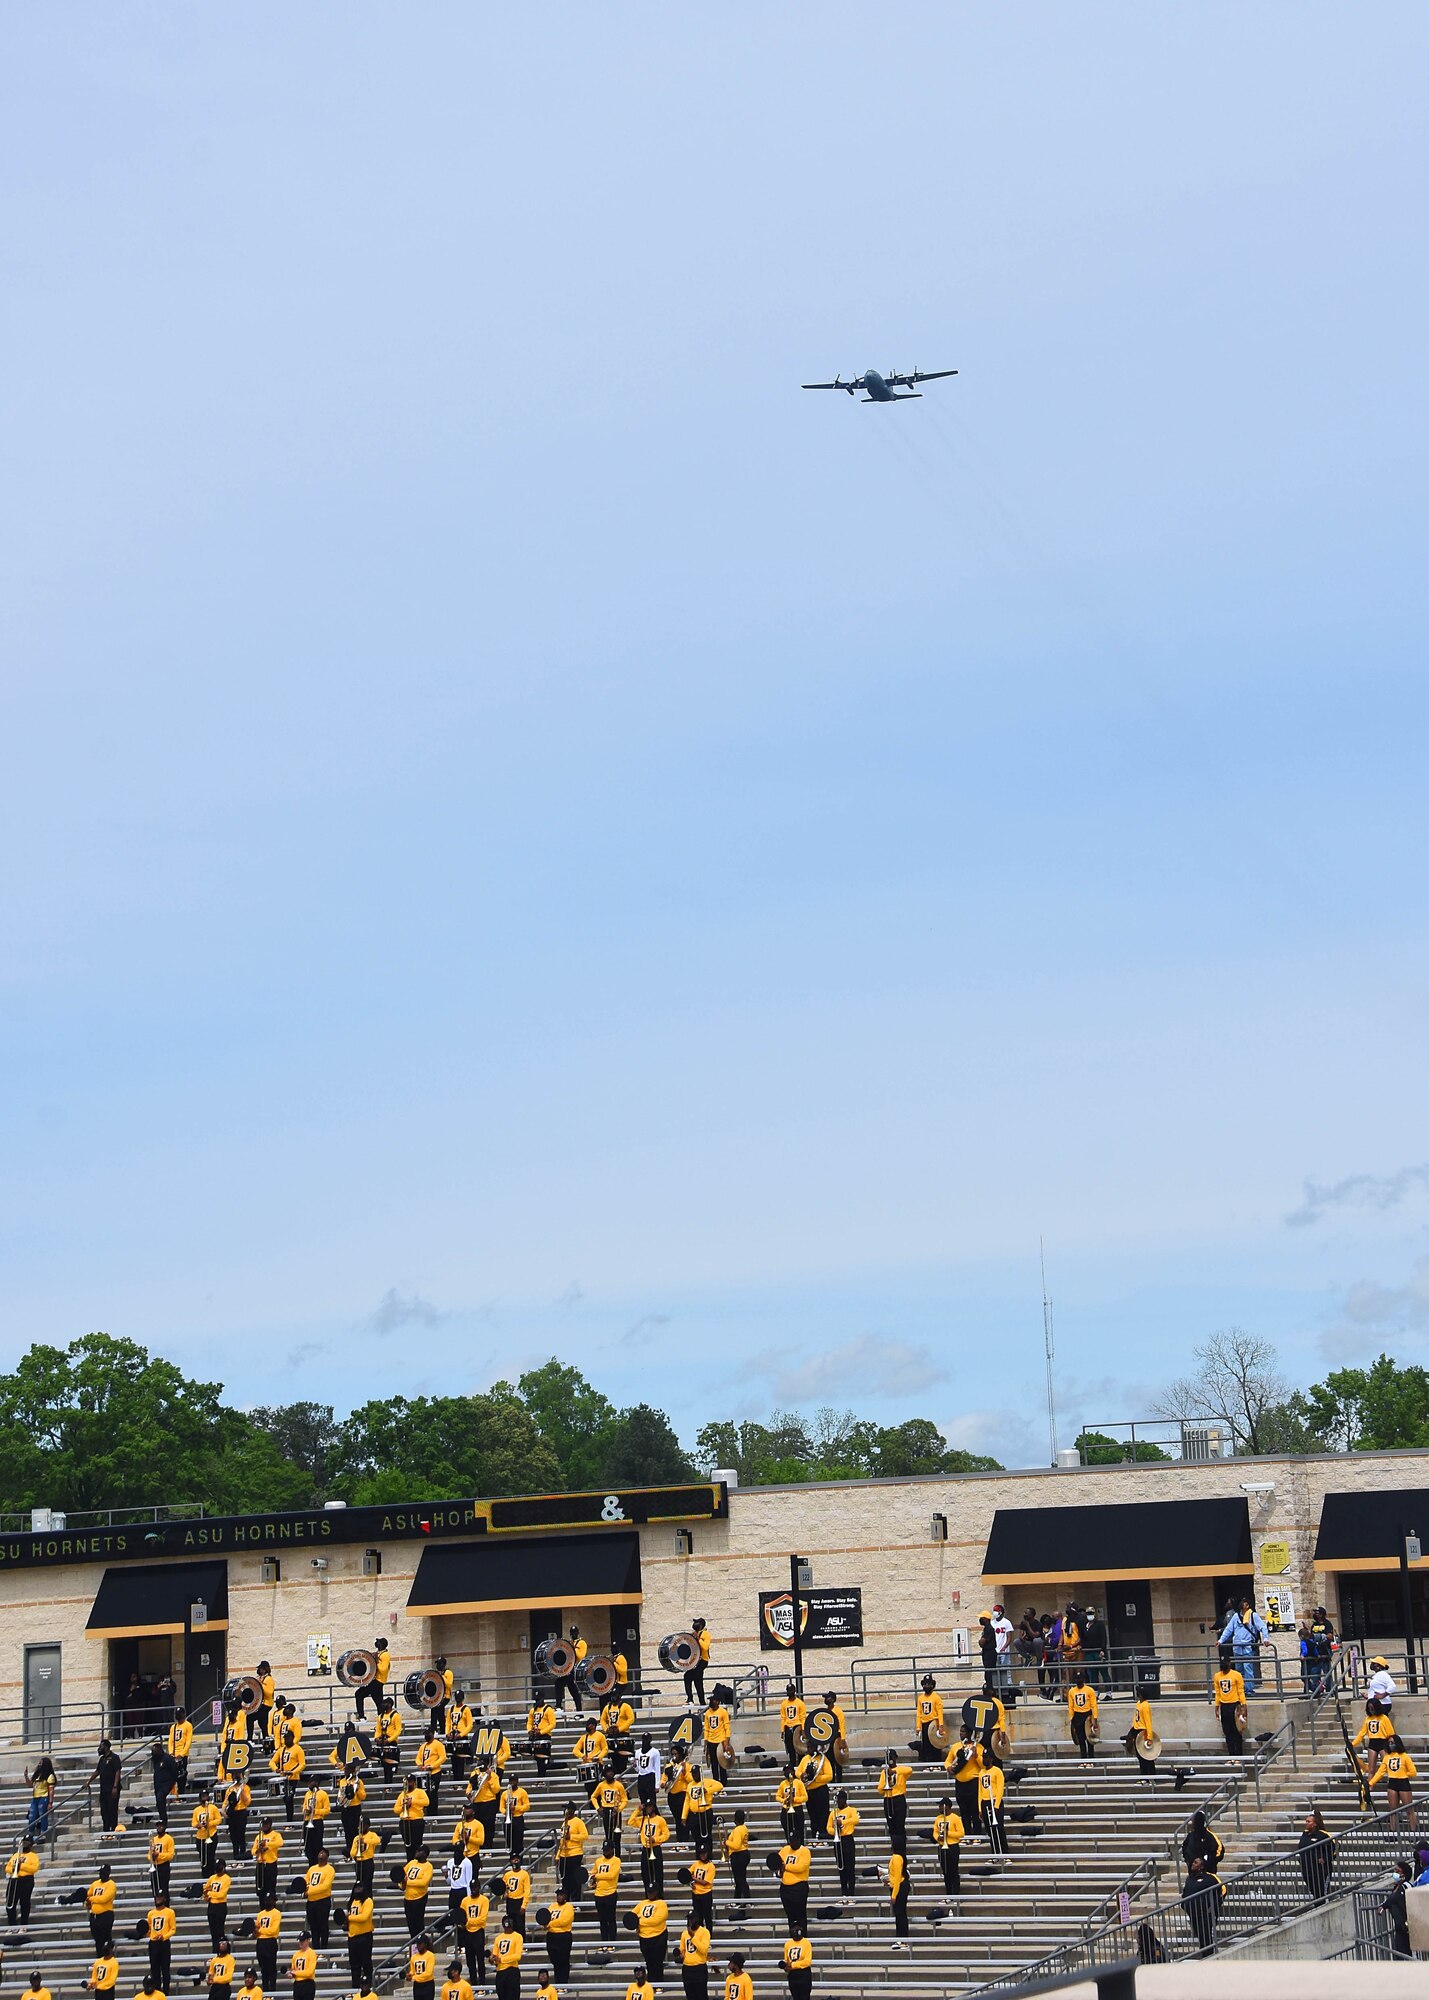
(625, 1638)
(1131, 1628)
(42, 1694)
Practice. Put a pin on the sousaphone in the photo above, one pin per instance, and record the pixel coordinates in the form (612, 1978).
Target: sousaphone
(679, 1652)
(358, 1668)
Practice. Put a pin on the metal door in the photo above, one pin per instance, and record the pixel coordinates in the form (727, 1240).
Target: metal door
(42, 1693)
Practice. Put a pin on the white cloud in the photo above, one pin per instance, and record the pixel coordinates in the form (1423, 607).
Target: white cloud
(1378, 1191)
(870, 1366)
(1370, 1312)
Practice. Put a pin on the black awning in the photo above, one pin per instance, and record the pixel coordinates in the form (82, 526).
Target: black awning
(159, 1597)
(1361, 1530)
(1099, 1544)
(527, 1570)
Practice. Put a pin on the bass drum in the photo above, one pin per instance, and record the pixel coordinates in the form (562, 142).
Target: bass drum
(424, 1690)
(246, 1692)
(679, 1652)
(596, 1675)
(357, 1669)
(555, 1658)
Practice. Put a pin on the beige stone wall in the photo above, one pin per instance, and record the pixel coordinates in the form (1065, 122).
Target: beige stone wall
(916, 1592)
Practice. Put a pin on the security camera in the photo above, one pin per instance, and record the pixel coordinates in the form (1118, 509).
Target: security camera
(319, 1562)
(1257, 1486)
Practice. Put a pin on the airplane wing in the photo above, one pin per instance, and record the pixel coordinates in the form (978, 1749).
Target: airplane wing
(918, 375)
(835, 384)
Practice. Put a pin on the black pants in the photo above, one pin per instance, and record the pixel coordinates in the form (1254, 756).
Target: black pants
(108, 1811)
(795, 1898)
(819, 1811)
(652, 1870)
(389, 1756)
(927, 1754)
(373, 1693)
(217, 1922)
(207, 1852)
(700, 1828)
(695, 1682)
(900, 1910)
(432, 1786)
(995, 1827)
(159, 1878)
(351, 1820)
(517, 1915)
(948, 1862)
(508, 1983)
(265, 1880)
(541, 1751)
(359, 1958)
(220, 1989)
(319, 1912)
(558, 1950)
(486, 1820)
(415, 1911)
(739, 1869)
(696, 1981)
(846, 1849)
(605, 1916)
(895, 1814)
(159, 1956)
(1084, 1743)
(791, 1818)
(314, 1838)
(414, 1834)
(473, 1944)
(645, 1789)
(306, 1989)
(516, 1836)
(562, 1688)
(1235, 1742)
(363, 1872)
(265, 1950)
(570, 1868)
(101, 1929)
(965, 1796)
(801, 1984)
(652, 1950)
(703, 1907)
(290, 1802)
(238, 1834)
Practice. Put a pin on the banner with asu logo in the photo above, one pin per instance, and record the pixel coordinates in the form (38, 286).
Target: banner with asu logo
(826, 1618)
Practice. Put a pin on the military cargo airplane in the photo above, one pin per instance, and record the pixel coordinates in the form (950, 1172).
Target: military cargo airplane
(883, 388)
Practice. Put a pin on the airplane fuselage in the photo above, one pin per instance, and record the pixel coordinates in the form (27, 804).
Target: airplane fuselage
(878, 391)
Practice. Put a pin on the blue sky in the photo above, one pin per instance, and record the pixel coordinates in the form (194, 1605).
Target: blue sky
(524, 832)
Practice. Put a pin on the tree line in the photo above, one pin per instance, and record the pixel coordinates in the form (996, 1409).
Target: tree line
(103, 1423)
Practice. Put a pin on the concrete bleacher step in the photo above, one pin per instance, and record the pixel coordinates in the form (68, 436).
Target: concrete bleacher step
(1097, 1821)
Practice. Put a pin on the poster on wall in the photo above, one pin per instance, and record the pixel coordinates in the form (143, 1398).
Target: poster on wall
(1279, 1609)
(826, 1618)
(319, 1653)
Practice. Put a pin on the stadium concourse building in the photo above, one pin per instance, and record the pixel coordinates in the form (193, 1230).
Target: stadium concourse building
(899, 1567)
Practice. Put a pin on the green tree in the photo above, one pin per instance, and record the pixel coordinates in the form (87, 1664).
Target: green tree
(306, 1435)
(1384, 1407)
(642, 1450)
(1099, 1449)
(450, 1447)
(102, 1423)
(575, 1420)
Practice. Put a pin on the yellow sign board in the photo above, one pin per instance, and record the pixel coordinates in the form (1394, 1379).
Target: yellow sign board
(1274, 1558)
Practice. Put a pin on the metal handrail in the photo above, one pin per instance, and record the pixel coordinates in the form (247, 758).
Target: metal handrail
(105, 1517)
(1120, 1672)
(1256, 1899)
(1227, 1795)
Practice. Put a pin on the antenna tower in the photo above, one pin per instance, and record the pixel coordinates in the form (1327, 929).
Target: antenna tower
(1050, 1349)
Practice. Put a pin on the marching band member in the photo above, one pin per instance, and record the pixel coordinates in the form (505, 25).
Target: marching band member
(1082, 1707)
(927, 1715)
(693, 1951)
(702, 1887)
(475, 1913)
(515, 1804)
(736, 1853)
(483, 1789)
(317, 1804)
(363, 1849)
(947, 1837)
(845, 1825)
(964, 1763)
(792, 1716)
(610, 1800)
(815, 1773)
(605, 1887)
(410, 1806)
(798, 1962)
(560, 1922)
(460, 1723)
(654, 1833)
(387, 1737)
(791, 1796)
(647, 1772)
(540, 1733)
(700, 1796)
(571, 1837)
(430, 1761)
(1228, 1693)
(590, 1752)
(695, 1678)
(216, 1890)
(893, 1790)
